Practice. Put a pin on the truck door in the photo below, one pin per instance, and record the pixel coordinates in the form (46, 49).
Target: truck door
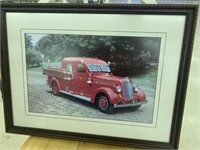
(83, 88)
(68, 79)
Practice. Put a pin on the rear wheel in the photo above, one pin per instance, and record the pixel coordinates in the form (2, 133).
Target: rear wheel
(104, 104)
(55, 89)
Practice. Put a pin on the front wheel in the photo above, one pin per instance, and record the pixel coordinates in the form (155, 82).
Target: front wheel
(55, 89)
(104, 104)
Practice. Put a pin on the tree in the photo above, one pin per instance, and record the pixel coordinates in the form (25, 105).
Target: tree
(127, 54)
(28, 42)
(33, 57)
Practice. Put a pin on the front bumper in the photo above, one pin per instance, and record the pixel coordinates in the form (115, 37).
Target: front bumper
(130, 104)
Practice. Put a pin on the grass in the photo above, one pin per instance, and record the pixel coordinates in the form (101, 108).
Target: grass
(147, 79)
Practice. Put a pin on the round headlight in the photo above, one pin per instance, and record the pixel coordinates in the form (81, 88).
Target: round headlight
(118, 88)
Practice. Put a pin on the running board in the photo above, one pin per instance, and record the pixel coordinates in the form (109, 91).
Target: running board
(77, 96)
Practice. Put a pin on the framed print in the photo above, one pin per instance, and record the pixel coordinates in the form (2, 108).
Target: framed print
(101, 73)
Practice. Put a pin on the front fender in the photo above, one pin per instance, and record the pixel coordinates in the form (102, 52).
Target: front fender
(112, 96)
(139, 96)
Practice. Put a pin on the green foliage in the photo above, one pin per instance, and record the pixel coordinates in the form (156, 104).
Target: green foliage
(28, 42)
(33, 58)
(127, 55)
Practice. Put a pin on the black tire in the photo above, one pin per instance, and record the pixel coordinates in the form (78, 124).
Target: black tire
(104, 104)
(55, 89)
(136, 107)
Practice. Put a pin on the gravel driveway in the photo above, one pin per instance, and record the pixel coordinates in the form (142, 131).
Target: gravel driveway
(41, 100)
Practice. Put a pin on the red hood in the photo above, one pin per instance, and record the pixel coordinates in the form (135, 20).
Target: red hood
(107, 77)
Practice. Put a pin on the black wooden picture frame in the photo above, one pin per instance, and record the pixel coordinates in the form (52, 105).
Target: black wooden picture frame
(12, 43)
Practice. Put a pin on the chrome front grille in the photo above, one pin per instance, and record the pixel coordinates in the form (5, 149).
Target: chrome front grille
(128, 90)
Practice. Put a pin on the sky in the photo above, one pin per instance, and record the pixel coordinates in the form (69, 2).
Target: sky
(36, 37)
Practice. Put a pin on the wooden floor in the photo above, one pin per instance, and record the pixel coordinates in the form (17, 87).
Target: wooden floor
(57, 144)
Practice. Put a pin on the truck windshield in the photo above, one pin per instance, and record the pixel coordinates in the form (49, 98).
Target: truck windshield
(94, 68)
(105, 68)
(98, 68)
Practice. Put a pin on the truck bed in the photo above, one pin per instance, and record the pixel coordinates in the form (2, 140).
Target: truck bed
(55, 72)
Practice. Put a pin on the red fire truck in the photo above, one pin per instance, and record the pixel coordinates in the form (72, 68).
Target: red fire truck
(91, 79)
